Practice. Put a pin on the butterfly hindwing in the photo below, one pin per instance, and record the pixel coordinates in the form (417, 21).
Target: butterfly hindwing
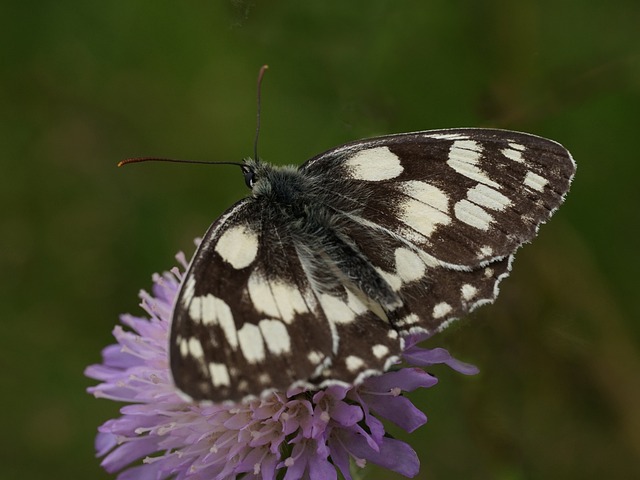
(433, 293)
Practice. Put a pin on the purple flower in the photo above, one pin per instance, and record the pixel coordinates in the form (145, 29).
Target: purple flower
(299, 433)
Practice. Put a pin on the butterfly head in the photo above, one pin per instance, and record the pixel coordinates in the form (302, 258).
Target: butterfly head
(249, 172)
(278, 183)
(256, 173)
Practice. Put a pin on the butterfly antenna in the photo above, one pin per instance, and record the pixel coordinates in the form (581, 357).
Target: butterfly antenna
(258, 101)
(241, 165)
(173, 160)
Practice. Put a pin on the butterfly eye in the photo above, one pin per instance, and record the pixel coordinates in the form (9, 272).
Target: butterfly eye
(249, 176)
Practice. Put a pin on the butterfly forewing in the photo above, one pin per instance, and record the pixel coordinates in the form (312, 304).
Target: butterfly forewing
(465, 196)
(246, 319)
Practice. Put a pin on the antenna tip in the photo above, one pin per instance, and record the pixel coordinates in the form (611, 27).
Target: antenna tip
(263, 69)
(121, 163)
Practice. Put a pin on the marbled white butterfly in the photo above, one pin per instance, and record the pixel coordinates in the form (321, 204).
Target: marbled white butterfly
(316, 277)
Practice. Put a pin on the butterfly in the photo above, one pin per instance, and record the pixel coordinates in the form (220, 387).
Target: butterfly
(321, 272)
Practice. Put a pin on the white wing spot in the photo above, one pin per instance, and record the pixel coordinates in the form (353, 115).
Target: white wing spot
(535, 181)
(486, 251)
(468, 291)
(468, 151)
(394, 281)
(488, 197)
(275, 299)
(426, 193)
(447, 136)
(219, 374)
(195, 348)
(315, 357)
(392, 334)
(472, 214)
(336, 310)
(421, 217)
(409, 265)
(380, 351)
(410, 319)
(354, 363)
(513, 153)
(195, 309)
(261, 296)
(188, 290)
(441, 309)
(228, 325)
(488, 272)
(464, 156)
(426, 207)
(446, 324)
(275, 336)
(251, 343)
(211, 310)
(517, 146)
(184, 347)
(289, 300)
(238, 246)
(374, 164)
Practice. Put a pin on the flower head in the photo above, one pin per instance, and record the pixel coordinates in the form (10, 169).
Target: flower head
(305, 434)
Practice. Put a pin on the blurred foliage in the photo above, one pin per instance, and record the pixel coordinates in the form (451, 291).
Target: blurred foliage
(85, 84)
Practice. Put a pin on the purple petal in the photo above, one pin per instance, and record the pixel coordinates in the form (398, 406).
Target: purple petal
(126, 453)
(249, 462)
(148, 471)
(397, 456)
(375, 426)
(423, 357)
(398, 410)
(238, 421)
(407, 379)
(113, 356)
(321, 469)
(414, 339)
(362, 436)
(346, 415)
(268, 467)
(393, 455)
(295, 471)
(339, 456)
(104, 443)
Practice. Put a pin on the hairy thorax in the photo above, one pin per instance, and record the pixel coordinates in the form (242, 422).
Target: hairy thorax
(296, 206)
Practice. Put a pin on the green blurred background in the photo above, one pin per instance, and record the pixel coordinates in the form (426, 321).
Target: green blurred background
(85, 84)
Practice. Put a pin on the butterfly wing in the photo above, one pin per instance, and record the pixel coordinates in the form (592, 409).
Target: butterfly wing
(246, 319)
(435, 216)
(439, 214)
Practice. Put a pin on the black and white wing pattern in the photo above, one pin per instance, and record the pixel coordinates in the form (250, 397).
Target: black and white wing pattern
(246, 320)
(316, 277)
(447, 209)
